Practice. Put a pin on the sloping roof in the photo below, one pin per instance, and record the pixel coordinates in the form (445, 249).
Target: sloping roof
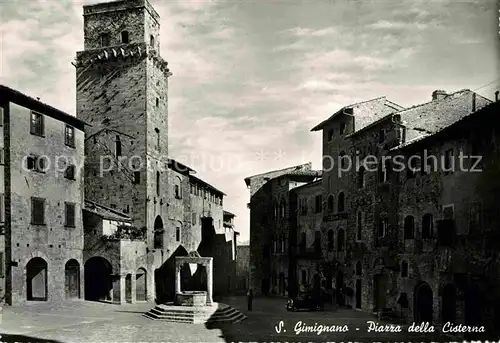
(490, 109)
(276, 173)
(205, 184)
(106, 212)
(36, 105)
(433, 116)
(378, 121)
(227, 213)
(179, 167)
(385, 108)
(311, 173)
(310, 184)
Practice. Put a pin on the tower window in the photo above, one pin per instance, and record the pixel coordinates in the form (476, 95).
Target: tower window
(137, 177)
(158, 146)
(158, 183)
(178, 234)
(104, 39)
(118, 147)
(157, 102)
(152, 40)
(125, 38)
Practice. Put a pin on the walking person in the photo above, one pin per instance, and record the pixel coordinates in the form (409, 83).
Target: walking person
(250, 299)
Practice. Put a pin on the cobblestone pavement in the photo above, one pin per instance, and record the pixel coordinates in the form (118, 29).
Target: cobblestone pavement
(97, 322)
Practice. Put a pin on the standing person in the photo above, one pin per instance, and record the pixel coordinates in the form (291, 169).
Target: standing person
(250, 299)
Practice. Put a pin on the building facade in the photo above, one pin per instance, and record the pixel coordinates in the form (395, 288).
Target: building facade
(40, 200)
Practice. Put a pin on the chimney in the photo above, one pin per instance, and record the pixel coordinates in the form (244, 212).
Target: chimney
(473, 102)
(438, 94)
(496, 95)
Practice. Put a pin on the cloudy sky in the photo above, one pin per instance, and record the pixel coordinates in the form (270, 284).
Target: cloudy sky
(251, 78)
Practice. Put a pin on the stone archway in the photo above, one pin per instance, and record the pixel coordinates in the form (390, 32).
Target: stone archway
(159, 232)
(98, 282)
(72, 279)
(141, 285)
(423, 303)
(36, 279)
(449, 303)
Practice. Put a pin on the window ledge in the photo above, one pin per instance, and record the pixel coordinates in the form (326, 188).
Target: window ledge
(38, 135)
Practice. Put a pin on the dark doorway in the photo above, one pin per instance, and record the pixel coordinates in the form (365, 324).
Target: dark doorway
(379, 291)
(339, 291)
(449, 305)
(72, 279)
(423, 303)
(140, 285)
(128, 288)
(359, 291)
(165, 277)
(36, 279)
(473, 306)
(265, 286)
(98, 283)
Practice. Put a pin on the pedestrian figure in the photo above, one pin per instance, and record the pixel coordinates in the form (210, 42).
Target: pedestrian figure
(250, 299)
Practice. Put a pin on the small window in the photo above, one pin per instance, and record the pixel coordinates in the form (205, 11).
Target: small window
(330, 203)
(193, 219)
(118, 147)
(330, 135)
(152, 40)
(104, 39)
(404, 269)
(36, 163)
(382, 227)
(37, 211)
(69, 173)
(359, 226)
(330, 240)
(2, 156)
(37, 124)
(342, 128)
(125, 39)
(341, 202)
(177, 234)
(69, 136)
(361, 177)
(137, 178)
(158, 145)
(409, 227)
(70, 214)
(158, 183)
(427, 226)
(157, 102)
(2, 208)
(1, 116)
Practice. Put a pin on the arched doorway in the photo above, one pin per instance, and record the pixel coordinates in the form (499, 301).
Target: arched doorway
(473, 306)
(158, 233)
(98, 283)
(128, 288)
(423, 303)
(72, 279)
(165, 277)
(359, 291)
(379, 291)
(140, 285)
(36, 279)
(449, 303)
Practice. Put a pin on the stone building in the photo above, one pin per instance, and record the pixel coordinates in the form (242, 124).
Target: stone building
(41, 149)
(337, 166)
(306, 255)
(242, 269)
(270, 219)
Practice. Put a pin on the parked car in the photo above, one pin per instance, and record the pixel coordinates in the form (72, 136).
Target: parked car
(306, 301)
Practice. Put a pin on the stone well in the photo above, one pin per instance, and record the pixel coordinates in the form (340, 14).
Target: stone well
(191, 298)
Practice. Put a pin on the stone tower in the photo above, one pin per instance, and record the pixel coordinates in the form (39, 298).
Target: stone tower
(122, 85)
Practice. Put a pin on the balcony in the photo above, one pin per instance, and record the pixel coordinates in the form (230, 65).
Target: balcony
(334, 217)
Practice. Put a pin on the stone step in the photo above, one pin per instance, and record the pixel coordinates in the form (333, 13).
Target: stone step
(226, 314)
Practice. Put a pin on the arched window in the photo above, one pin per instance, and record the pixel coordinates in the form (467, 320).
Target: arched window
(275, 206)
(125, 38)
(283, 208)
(427, 226)
(177, 188)
(158, 183)
(340, 240)
(342, 159)
(158, 146)
(361, 177)
(359, 269)
(404, 269)
(409, 228)
(330, 203)
(330, 240)
(152, 41)
(359, 226)
(341, 202)
(118, 147)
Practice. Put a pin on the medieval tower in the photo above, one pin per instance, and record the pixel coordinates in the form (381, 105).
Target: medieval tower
(122, 85)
